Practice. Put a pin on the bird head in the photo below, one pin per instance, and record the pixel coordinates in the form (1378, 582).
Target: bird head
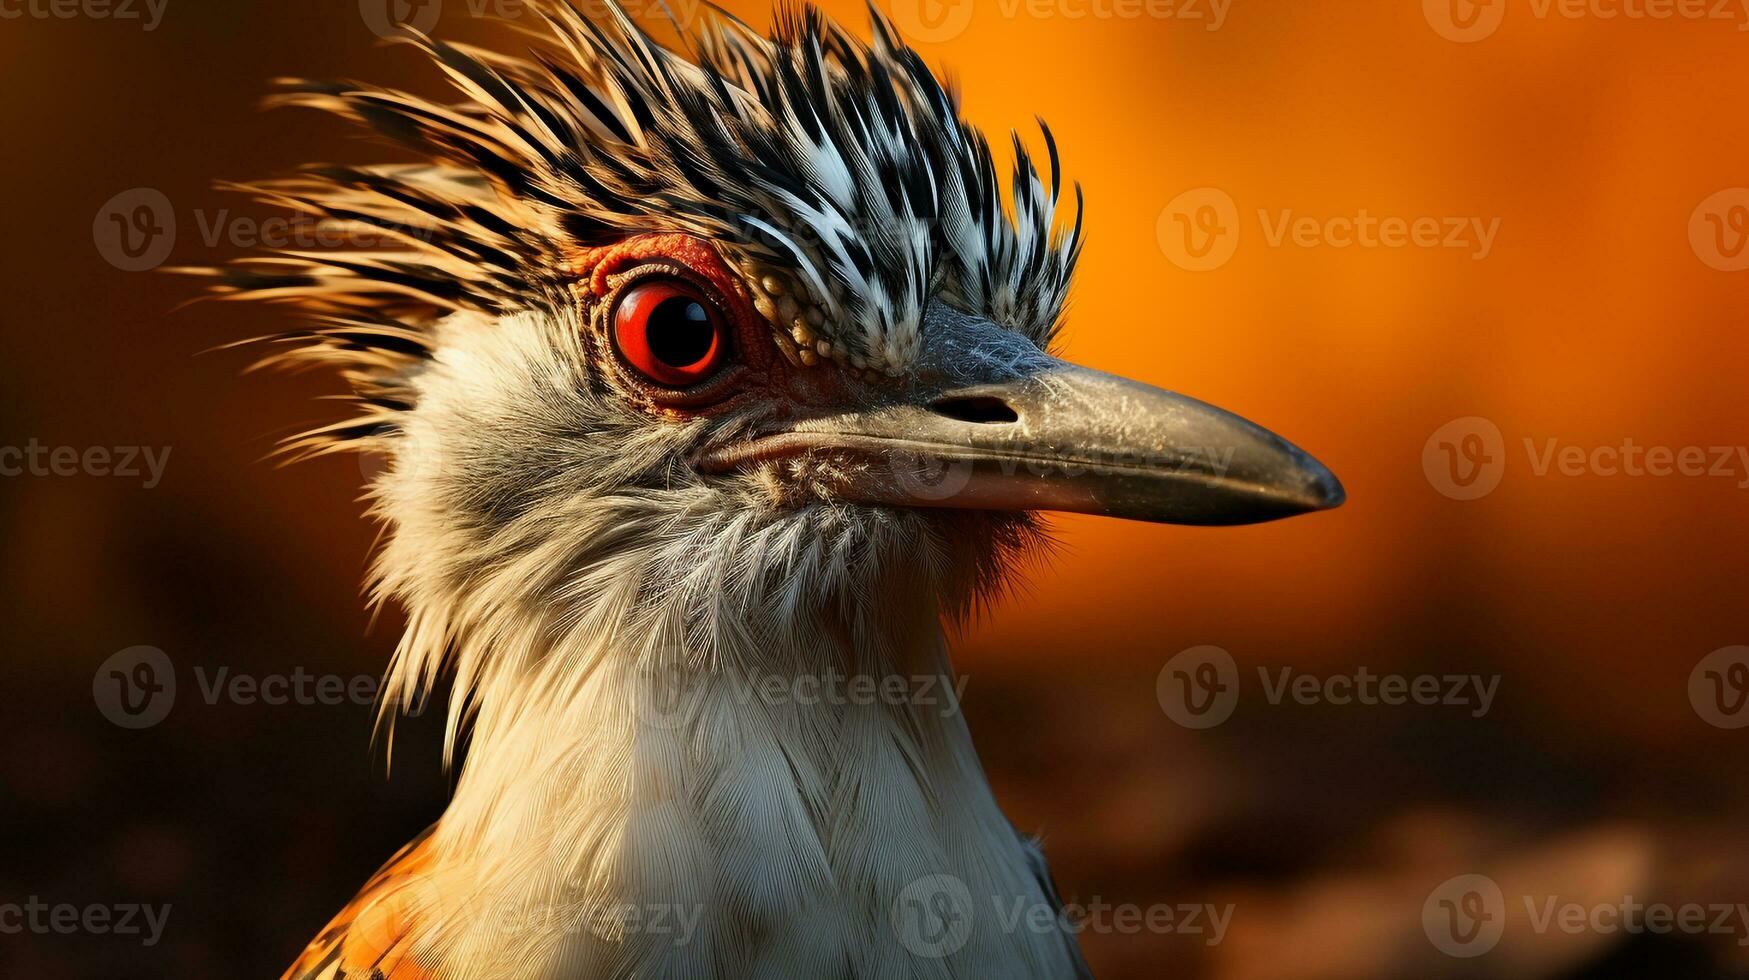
(720, 319)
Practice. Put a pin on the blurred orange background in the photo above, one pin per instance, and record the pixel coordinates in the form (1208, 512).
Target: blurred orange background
(1601, 310)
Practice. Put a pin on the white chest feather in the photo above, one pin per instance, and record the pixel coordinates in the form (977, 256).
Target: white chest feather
(755, 819)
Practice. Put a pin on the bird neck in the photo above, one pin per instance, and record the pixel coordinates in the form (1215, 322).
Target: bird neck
(656, 802)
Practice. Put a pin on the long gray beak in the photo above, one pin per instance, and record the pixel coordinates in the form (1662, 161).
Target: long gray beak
(1061, 438)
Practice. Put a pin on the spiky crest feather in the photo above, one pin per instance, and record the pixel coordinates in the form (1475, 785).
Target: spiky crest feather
(810, 151)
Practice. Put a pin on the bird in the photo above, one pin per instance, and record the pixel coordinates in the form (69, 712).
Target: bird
(716, 379)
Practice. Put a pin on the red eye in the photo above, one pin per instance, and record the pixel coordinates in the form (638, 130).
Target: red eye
(670, 333)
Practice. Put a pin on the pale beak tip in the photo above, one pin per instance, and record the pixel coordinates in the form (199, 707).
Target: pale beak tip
(1303, 485)
(1288, 482)
(1323, 491)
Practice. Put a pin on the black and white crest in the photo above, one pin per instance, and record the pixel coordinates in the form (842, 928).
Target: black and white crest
(841, 163)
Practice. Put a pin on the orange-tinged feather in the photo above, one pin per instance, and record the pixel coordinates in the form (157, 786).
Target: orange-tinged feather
(371, 937)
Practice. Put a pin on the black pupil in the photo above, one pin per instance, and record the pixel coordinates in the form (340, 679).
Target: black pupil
(680, 331)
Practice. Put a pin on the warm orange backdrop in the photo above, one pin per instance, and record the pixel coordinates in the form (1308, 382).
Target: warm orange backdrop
(1591, 140)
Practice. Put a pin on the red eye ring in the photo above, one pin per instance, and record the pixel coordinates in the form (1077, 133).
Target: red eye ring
(669, 332)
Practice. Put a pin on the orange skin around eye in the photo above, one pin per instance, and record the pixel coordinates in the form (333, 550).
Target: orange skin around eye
(594, 266)
(753, 349)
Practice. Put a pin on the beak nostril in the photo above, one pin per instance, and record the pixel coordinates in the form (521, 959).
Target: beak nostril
(979, 409)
